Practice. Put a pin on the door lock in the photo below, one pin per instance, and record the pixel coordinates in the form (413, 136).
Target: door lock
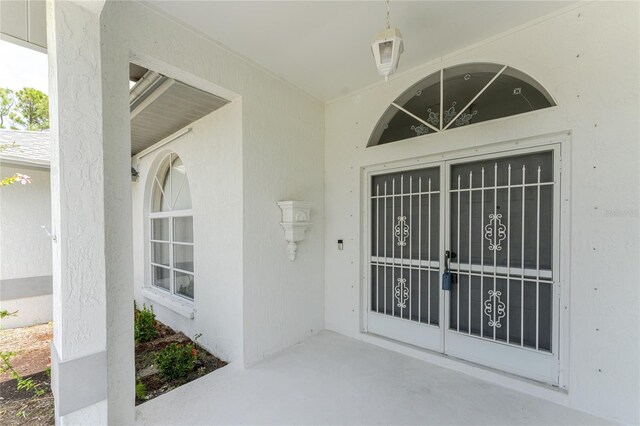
(448, 277)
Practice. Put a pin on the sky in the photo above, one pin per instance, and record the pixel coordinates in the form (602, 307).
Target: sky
(22, 67)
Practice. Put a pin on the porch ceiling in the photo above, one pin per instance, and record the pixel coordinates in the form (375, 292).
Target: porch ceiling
(322, 47)
(161, 106)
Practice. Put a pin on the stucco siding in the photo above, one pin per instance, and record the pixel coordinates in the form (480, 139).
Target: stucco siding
(212, 156)
(25, 249)
(578, 56)
(282, 158)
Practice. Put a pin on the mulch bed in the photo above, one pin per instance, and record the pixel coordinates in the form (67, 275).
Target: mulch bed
(20, 407)
(154, 382)
(32, 344)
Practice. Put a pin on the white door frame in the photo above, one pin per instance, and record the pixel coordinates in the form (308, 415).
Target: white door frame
(560, 142)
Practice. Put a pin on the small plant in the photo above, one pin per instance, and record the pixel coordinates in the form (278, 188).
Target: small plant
(141, 390)
(21, 383)
(4, 313)
(195, 340)
(144, 324)
(176, 361)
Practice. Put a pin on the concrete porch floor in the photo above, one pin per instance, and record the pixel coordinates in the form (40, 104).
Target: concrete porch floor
(330, 379)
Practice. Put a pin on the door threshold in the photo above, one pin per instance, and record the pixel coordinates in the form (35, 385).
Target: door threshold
(501, 378)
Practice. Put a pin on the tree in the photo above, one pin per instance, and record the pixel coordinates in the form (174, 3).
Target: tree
(31, 110)
(7, 99)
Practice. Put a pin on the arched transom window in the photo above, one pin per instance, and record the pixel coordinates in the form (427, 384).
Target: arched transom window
(459, 96)
(171, 224)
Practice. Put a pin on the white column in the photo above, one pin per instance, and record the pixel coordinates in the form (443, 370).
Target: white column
(87, 272)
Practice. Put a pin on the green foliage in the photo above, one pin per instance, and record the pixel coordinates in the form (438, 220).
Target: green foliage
(144, 324)
(141, 390)
(7, 99)
(30, 385)
(5, 357)
(22, 383)
(31, 109)
(17, 177)
(176, 361)
(4, 313)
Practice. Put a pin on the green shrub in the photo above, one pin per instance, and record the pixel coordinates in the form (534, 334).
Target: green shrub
(141, 390)
(145, 324)
(176, 361)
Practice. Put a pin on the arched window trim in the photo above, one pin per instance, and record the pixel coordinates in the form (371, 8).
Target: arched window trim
(166, 220)
(438, 77)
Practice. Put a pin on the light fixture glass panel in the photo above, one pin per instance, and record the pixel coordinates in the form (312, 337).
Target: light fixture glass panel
(386, 52)
(160, 277)
(184, 284)
(183, 229)
(183, 257)
(160, 229)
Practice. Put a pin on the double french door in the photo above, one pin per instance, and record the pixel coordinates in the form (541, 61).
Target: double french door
(493, 223)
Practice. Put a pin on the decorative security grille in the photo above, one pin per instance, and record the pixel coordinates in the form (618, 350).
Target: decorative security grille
(405, 237)
(501, 227)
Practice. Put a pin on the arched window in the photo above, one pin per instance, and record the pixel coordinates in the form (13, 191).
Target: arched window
(459, 96)
(171, 225)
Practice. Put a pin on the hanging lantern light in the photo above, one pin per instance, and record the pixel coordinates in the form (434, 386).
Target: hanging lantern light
(387, 48)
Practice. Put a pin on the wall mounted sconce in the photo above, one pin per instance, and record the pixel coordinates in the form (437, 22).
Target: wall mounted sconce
(295, 221)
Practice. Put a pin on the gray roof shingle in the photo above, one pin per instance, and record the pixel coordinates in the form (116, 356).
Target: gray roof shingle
(31, 147)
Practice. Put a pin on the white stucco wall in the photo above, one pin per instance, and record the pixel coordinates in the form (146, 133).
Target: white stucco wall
(282, 152)
(588, 59)
(31, 311)
(212, 156)
(283, 160)
(25, 249)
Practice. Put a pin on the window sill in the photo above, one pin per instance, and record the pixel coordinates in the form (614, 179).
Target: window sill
(182, 308)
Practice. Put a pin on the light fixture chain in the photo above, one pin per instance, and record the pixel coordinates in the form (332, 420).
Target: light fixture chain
(388, 14)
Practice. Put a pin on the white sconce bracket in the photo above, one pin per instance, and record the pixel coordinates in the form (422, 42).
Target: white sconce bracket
(296, 220)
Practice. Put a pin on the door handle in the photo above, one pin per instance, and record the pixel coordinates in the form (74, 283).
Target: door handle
(448, 277)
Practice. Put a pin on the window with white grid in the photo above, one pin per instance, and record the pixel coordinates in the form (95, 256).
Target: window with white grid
(171, 230)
